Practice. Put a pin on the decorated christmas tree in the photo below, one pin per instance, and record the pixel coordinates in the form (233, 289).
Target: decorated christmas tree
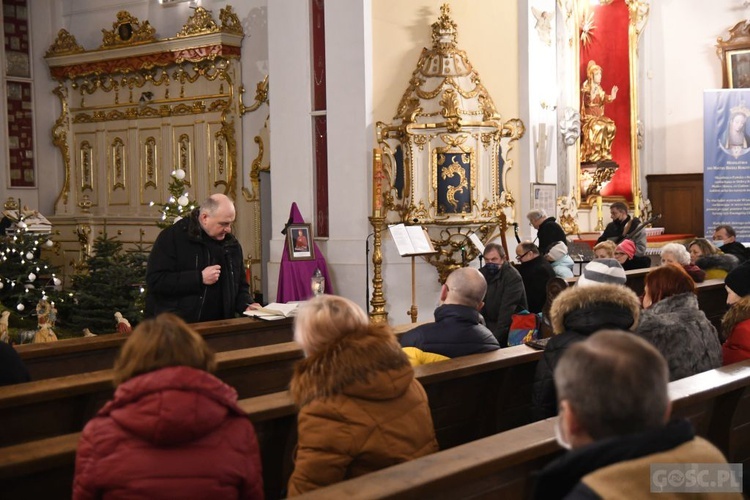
(25, 277)
(178, 205)
(112, 282)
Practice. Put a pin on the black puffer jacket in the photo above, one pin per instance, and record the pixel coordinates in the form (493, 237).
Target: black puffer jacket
(505, 296)
(579, 312)
(717, 264)
(457, 331)
(536, 273)
(174, 279)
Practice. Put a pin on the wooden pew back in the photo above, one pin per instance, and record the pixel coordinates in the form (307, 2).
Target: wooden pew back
(87, 354)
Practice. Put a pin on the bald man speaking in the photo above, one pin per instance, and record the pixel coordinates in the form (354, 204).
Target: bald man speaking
(195, 267)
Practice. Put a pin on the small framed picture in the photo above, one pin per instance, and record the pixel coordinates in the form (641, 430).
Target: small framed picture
(299, 240)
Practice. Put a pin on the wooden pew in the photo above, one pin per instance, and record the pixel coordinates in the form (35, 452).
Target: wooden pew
(492, 389)
(62, 405)
(25, 409)
(503, 465)
(87, 354)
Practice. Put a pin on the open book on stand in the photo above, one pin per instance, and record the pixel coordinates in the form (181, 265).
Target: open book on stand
(274, 310)
(411, 240)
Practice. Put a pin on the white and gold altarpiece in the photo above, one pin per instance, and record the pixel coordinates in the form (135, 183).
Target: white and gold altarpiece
(134, 110)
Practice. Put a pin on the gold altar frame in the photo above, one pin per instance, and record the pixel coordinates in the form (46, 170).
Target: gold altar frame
(638, 15)
(729, 51)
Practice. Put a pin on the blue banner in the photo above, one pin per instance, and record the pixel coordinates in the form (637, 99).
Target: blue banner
(726, 160)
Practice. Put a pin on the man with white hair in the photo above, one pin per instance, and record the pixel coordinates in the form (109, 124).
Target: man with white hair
(614, 417)
(458, 329)
(553, 244)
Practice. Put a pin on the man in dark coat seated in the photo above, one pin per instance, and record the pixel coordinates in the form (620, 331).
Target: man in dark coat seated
(458, 329)
(725, 238)
(614, 417)
(505, 293)
(536, 271)
(624, 226)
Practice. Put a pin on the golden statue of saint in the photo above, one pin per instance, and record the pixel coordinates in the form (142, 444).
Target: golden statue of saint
(597, 131)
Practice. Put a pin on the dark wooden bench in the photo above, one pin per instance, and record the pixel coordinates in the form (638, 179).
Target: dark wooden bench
(504, 465)
(25, 409)
(87, 354)
(470, 397)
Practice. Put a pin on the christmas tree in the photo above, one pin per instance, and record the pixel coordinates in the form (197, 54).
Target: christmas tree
(25, 278)
(113, 282)
(178, 205)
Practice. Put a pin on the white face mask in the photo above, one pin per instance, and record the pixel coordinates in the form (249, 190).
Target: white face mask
(718, 243)
(559, 437)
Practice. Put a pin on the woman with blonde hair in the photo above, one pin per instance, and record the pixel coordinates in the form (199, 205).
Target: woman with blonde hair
(173, 430)
(605, 249)
(705, 255)
(361, 409)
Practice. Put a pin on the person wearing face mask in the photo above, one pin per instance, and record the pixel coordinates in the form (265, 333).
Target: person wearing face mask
(735, 325)
(615, 420)
(505, 292)
(624, 227)
(725, 238)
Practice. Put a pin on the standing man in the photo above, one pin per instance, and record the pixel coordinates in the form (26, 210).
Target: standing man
(535, 272)
(553, 244)
(624, 227)
(195, 266)
(505, 293)
(725, 239)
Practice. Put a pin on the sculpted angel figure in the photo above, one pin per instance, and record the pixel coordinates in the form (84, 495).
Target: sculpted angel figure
(598, 131)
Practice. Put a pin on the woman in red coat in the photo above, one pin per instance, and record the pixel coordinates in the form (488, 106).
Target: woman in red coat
(173, 430)
(735, 326)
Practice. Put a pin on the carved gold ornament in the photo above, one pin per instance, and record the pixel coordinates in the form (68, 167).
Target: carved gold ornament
(127, 30)
(65, 43)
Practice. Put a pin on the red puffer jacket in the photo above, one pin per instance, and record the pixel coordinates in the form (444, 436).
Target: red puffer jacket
(172, 433)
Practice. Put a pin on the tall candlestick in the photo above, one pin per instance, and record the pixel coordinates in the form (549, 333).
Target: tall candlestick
(598, 207)
(377, 179)
(636, 205)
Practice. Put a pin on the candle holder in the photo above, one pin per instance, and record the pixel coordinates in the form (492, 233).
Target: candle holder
(378, 314)
(599, 225)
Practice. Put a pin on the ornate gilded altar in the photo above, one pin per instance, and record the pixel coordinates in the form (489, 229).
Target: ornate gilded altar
(135, 109)
(443, 161)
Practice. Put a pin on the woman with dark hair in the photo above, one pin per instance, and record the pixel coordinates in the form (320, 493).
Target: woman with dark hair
(735, 325)
(674, 324)
(173, 430)
(716, 263)
(361, 409)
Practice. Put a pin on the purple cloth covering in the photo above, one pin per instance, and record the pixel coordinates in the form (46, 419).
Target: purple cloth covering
(294, 275)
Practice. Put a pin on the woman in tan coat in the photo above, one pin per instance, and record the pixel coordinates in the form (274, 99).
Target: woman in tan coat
(361, 409)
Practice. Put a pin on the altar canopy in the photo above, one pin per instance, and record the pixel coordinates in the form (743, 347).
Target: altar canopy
(294, 275)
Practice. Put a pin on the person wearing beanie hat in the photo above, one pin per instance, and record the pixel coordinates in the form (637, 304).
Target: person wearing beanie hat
(735, 325)
(600, 271)
(625, 255)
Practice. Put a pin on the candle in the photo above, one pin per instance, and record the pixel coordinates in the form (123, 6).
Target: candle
(598, 207)
(636, 205)
(377, 178)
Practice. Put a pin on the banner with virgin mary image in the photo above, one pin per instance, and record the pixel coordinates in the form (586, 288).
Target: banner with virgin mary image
(726, 160)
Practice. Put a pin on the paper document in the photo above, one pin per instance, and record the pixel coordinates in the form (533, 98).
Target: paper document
(411, 240)
(477, 242)
(274, 310)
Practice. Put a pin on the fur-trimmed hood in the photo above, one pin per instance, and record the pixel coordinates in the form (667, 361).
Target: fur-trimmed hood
(723, 261)
(736, 314)
(367, 364)
(588, 309)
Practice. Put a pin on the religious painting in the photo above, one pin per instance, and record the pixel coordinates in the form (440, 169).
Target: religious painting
(738, 68)
(734, 52)
(300, 243)
(453, 180)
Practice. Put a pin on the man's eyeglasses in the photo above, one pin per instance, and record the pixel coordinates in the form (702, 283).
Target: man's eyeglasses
(519, 258)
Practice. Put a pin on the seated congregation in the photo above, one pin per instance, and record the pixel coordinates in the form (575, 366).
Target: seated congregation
(361, 409)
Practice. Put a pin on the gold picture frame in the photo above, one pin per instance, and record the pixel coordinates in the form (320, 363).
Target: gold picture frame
(300, 242)
(734, 53)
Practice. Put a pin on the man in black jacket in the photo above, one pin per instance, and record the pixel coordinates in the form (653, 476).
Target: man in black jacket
(195, 267)
(458, 329)
(624, 226)
(505, 293)
(536, 271)
(725, 238)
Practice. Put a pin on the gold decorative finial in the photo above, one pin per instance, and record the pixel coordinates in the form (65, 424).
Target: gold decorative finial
(444, 30)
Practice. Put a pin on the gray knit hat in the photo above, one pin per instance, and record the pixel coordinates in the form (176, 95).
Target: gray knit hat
(600, 271)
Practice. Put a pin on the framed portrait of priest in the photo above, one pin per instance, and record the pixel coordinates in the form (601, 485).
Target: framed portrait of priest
(299, 241)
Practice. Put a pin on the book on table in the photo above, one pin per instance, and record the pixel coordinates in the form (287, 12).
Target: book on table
(411, 240)
(274, 310)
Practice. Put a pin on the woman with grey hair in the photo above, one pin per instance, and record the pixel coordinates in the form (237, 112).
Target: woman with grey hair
(677, 255)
